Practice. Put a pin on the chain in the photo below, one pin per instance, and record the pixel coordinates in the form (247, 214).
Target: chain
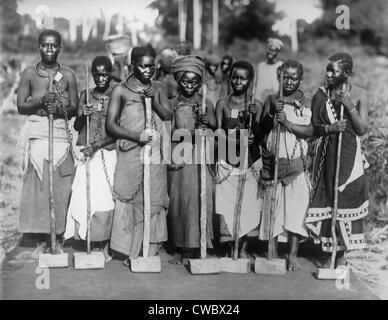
(115, 195)
(69, 134)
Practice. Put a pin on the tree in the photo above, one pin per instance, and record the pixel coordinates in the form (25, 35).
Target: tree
(245, 19)
(168, 15)
(368, 22)
(10, 25)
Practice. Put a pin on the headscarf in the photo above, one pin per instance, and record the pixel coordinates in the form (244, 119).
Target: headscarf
(190, 63)
(277, 43)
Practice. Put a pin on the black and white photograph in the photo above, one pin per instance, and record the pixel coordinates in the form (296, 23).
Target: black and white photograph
(205, 152)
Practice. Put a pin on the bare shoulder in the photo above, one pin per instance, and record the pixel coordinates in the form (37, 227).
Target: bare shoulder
(29, 72)
(270, 99)
(158, 85)
(221, 103)
(173, 101)
(67, 72)
(209, 103)
(359, 94)
(117, 90)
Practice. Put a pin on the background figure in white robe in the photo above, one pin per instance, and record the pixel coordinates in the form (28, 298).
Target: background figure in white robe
(267, 81)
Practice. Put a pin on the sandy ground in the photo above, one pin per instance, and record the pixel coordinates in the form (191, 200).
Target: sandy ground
(21, 279)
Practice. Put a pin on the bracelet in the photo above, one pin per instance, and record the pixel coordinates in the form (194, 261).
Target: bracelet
(327, 129)
(289, 127)
(353, 110)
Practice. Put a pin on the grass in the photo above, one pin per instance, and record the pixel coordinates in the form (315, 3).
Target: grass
(370, 73)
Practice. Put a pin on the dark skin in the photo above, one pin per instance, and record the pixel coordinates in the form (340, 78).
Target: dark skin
(188, 86)
(33, 95)
(291, 83)
(33, 98)
(212, 68)
(355, 106)
(102, 78)
(240, 82)
(226, 64)
(143, 70)
(271, 54)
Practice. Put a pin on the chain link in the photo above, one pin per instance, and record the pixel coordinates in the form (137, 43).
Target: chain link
(240, 125)
(69, 134)
(115, 195)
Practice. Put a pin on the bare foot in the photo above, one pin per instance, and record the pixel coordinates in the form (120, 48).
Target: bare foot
(341, 261)
(293, 264)
(153, 249)
(177, 258)
(275, 255)
(326, 264)
(243, 255)
(40, 248)
(126, 262)
(106, 254)
(59, 248)
(231, 252)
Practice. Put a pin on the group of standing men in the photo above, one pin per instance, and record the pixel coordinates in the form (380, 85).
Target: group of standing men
(304, 204)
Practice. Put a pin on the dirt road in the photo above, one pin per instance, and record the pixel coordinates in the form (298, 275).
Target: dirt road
(19, 279)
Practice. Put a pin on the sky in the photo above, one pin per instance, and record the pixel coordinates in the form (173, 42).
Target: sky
(296, 9)
(305, 9)
(79, 8)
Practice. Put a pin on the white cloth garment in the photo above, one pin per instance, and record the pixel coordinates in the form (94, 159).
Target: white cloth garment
(292, 199)
(32, 144)
(100, 194)
(267, 80)
(226, 197)
(291, 208)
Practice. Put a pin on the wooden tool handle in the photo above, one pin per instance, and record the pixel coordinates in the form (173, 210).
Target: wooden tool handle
(237, 213)
(203, 195)
(336, 183)
(147, 182)
(88, 200)
(51, 172)
(252, 101)
(204, 93)
(271, 240)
